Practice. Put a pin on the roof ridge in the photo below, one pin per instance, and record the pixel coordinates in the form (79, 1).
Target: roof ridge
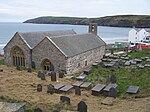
(47, 31)
(70, 35)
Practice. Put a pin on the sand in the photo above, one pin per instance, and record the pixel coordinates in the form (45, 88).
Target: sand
(21, 85)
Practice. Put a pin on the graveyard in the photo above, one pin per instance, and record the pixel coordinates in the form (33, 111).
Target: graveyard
(130, 77)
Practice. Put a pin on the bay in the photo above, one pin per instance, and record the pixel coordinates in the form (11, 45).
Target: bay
(108, 34)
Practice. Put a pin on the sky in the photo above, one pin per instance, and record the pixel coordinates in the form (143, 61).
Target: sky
(21, 10)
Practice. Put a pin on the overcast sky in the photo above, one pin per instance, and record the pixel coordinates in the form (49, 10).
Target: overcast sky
(21, 10)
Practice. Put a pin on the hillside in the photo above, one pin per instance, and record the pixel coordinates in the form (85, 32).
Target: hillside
(115, 21)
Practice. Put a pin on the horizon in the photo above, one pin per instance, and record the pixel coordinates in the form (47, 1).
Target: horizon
(22, 10)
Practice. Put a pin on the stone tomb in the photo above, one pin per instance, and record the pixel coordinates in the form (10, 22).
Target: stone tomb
(86, 85)
(82, 107)
(82, 76)
(65, 99)
(97, 89)
(78, 83)
(77, 90)
(87, 70)
(39, 88)
(107, 88)
(133, 89)
(66, 88)
(50, 89)
(57, 87)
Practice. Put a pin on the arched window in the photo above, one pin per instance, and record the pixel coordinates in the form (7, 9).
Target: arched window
(17, 56)
(47, 65)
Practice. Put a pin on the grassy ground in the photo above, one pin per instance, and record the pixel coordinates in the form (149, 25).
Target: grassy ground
(125, 78)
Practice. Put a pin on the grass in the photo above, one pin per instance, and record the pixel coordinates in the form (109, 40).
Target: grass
(125, 78)
(2, 62)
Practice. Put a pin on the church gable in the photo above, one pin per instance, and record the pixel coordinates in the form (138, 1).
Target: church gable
(16, 41)
(46, 50)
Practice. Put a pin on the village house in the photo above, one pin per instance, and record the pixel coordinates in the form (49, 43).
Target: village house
(55, 50)
(139, 35)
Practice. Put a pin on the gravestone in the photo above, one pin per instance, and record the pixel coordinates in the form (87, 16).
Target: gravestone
(87, 70)
(77, 90)
(133, 89)
(1, 70)
(82, 107)
(112, 92)
(42, 76)
(113, 78)
(97, 89)
(53, 76)
(50, 89)
(65, 99)
(49, 73)
(133, 69)
(39, 88)
(29, 70)
(61, 74)
(82, 76)
(39, 74)
(37, 110)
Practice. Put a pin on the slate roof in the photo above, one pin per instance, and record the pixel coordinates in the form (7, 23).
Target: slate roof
(33, 38)
(75, 44)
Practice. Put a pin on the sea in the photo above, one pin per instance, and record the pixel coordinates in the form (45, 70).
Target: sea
(108, 34)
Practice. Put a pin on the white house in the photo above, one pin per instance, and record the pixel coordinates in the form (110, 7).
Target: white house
(139, 35)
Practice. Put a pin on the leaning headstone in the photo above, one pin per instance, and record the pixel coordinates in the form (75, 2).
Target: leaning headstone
(50, 89)
(61, 74)
(113, 79)
(77, 90)
(37, 110)
(42, 76)
(82, 107)
(65, 99)
(112, 92)
(39, 88)
(53, 76)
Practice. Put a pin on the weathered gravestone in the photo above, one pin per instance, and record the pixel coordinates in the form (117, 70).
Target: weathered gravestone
(53, 76)
(39, 74)
(65, 99)
(82, 107)
(113, 78)
(37, 110)
(61, 74)
(112, 92)
(133, 69)
(42, 76)
(50, 89)
(39, 88)
(77, 90)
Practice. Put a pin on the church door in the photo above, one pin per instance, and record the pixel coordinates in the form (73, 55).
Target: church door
(47, 65)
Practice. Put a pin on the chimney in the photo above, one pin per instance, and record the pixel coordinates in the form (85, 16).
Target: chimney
(93, 28)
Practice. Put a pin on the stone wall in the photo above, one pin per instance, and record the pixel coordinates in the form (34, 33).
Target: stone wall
(17, 41)
(79, 61)
(46, 50)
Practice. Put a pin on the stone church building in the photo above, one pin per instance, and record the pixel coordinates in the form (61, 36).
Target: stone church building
(55, 50)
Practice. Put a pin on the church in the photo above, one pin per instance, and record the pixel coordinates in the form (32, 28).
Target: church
(55, 50)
